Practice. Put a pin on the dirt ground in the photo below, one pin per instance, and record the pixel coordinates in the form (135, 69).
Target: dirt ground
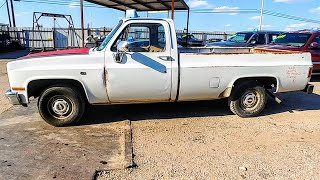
(4, 85)
(31, 149)
(204, 141)
(193, 140)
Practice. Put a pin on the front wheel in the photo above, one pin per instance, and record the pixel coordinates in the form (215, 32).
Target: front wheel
(248, 100)
(61, 106)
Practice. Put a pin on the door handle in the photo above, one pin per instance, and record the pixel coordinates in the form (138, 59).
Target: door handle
(165, 58)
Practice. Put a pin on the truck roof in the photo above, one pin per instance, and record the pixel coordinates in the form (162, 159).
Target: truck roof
(163, 19)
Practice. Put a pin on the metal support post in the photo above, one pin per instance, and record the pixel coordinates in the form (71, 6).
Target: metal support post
(82, 22)
(12, 12)
(8, 10)
(172, 9)
(261, 15)
(187, 27)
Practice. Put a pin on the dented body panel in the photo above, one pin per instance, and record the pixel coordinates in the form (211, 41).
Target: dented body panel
(166, 76)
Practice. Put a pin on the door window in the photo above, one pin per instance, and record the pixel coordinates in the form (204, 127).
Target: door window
(143, 38)
(272, 37)
(317, 39)
(258, 39)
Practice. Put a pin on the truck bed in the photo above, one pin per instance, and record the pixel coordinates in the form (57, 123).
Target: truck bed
(213, 70)
(233, 50)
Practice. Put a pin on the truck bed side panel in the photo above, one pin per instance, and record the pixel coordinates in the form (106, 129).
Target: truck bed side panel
(207, 76)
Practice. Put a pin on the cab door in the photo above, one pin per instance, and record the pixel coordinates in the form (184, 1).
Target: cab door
(144, 73)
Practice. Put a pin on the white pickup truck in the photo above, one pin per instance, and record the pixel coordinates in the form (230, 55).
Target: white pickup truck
(140, 62)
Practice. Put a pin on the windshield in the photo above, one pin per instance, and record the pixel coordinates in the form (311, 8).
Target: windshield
(293, 39)
(240, 37)
(110, 35)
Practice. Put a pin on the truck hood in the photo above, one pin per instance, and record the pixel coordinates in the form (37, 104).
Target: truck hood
(74, 51)
(62, 59)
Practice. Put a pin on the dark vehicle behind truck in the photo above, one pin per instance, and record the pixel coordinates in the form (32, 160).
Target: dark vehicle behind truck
(248, 39)
(190, 40)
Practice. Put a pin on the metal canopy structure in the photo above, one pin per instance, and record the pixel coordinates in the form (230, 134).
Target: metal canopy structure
(139, 5)
(142, 5)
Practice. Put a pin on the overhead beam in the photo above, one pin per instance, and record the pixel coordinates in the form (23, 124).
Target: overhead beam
(147, 5)
(109, 6)
(164, 4)
(123, 4)
(144, 4)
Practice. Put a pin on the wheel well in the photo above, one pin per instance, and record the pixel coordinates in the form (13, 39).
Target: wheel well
(266, 82)
(36, 87)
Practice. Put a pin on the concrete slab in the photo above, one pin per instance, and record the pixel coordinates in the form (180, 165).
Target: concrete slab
(32, 149)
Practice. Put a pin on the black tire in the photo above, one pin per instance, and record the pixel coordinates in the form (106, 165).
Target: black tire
(61, 106)
(248, 99)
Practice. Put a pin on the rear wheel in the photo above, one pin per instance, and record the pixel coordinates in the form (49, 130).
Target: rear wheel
(61, 106)
(248, 100)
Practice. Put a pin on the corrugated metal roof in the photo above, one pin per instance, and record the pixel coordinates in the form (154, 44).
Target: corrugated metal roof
(142, 5)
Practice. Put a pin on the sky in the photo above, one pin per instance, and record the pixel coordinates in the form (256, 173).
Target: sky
(212, 20)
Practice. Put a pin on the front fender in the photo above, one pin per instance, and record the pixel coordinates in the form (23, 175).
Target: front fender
(59, 78)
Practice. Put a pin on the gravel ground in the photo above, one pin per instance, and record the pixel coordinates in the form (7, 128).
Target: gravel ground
(4, 86)
(204, 141)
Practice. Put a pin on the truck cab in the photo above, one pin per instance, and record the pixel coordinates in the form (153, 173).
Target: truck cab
(149, 48)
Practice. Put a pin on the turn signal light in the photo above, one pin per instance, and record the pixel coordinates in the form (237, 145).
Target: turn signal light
(18, 88)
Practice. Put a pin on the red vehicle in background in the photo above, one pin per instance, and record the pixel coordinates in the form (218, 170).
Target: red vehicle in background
(304, 40)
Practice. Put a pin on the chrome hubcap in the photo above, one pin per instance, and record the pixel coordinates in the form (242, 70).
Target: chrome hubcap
(60, 107)
(249, 100)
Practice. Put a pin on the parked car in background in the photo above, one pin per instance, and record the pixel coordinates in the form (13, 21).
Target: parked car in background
(7, 43)
(191, 42)
(304, 41)
(248, 39)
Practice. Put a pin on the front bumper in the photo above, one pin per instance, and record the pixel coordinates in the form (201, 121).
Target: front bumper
(13, 97)
(309, 89)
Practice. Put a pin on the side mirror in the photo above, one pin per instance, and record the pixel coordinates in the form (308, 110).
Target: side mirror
(314, 45)
(122, 46)
(253, 42)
